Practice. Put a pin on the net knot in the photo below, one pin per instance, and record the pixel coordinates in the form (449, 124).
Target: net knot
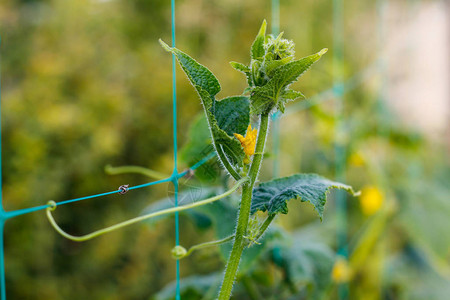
(189, 173)
(123, 189)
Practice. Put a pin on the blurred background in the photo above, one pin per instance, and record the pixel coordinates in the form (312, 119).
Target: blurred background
(85, 84)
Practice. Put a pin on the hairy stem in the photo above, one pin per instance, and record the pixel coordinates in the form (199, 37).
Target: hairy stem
(223, 158)
(244, 212)
(264, 226)
(137, 219)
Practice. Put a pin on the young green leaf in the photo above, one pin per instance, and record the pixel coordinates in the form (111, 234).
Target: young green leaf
(240, 67)
(271, 94)
(233, 114)
(230, 145)
(244, 69)
(197, 146)
(289, 94)
(198, 74)
(257, 50)
(207, 87)
(272, 196)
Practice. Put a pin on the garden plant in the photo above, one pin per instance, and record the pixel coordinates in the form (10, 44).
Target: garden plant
(271, 71)
(70, 109)
(240, 147)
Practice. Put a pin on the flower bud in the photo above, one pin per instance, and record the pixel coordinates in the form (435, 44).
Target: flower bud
(278, 49)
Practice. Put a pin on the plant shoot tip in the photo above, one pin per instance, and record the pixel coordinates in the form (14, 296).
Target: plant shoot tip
(323, 51)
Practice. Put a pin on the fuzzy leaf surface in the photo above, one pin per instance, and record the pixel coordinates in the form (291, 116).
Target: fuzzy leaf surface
(233, 114)
(292, 95)
(257, 50)
(240, 67)
(198, 74)
(244, 69)
(197, 146)
(207, 87)
(272, 196)
(231, 146)
(271, 94)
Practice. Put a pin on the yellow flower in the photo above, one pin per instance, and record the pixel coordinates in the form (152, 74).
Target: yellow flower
(248, 142)
(341, 271)
(356, 159)
(371, 200)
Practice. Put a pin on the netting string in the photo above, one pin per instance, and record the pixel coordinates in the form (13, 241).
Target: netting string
(175, 147)
(10, 214)
(138, 219)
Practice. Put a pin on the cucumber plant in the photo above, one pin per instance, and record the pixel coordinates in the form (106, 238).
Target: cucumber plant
(240, 145)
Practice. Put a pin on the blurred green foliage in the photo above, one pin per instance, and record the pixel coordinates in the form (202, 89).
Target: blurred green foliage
(85, 84)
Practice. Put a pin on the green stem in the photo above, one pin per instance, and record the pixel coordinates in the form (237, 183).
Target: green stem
(264, 226)
(244, 213)
(134, 169)
(223, 158)
(208, 244)
(52, 206)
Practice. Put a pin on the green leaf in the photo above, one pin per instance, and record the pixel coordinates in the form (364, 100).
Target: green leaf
(240, 67)
(261, 100)
(288, 73)
(192, 287)
(257, 50)
(271, 66)
(268, 96)
(207, 87)
(231, 146)
(233, 114)
(305, 263)
(289, 94)
(197, 147)
(272, 196)
(244, 69)
(198, 74)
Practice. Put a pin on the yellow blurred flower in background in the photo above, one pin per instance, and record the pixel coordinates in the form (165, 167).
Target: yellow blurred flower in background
(371, 200)
(341, 271)
(356, 159)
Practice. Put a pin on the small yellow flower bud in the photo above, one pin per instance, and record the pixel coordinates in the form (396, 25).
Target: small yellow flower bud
(371, 200)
